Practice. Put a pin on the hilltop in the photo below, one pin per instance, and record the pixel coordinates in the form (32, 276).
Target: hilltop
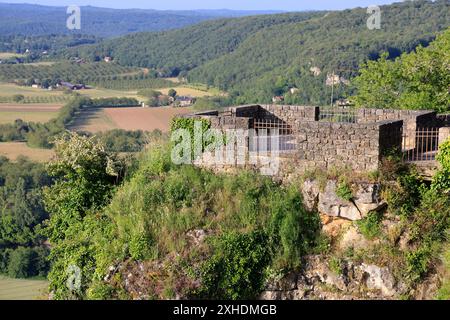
(32, 20)
(257, 57)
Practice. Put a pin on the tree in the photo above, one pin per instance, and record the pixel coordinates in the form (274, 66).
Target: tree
(172, 93)
(18, 98)
(418, 80)
(86, 175)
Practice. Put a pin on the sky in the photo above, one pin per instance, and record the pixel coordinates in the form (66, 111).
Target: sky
(285, 5)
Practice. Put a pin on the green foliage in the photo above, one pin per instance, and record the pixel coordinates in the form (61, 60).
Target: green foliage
(18, 98)
(417, 262)
(48, 22)
(118, 140)
(189, 125)
(172, 93)
(344, 191)
(251, 222)
(405, 195)
(417, 80)
(139, 245)
(441, 181)
(212, 103)
(370, 226)
(20, 218)
(86, 176)
(335, 265)
(444, 291)
(236, 270)
(27, 262)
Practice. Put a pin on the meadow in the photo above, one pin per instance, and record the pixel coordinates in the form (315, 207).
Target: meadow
(19, 289)
(8, 55)
(40, 113)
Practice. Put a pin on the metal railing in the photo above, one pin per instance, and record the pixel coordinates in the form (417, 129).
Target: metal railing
(337, 115)
(423, 146)
(270, 131)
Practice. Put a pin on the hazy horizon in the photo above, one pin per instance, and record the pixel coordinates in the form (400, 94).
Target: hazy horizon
(253, 5)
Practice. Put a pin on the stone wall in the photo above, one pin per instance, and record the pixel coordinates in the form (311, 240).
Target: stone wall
(292, 115)
(358, 146)
(412, 120)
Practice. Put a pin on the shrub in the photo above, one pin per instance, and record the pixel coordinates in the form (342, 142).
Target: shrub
(417, 262)
(139, 245)
(441, 181)
(370, 226)
(344, 191)
(335, 265)
(236, 270)
(4, 260)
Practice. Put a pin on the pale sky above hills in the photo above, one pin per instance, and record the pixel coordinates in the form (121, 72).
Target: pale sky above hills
(287, 5)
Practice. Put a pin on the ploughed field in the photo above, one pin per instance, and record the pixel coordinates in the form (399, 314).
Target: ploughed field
(13, 150)
(28, 112)
(147, 119)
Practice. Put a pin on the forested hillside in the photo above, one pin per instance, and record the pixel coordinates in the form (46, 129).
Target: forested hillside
(255, 58)
(28, 19)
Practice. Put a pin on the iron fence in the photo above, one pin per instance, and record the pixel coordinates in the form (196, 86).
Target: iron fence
(423, 146)
(337, 115)
(272, 135)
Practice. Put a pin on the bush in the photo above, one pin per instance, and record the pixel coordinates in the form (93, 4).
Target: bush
(370, 226)
(344, 191)
(4, 260)
(441, 181)
(236, 270)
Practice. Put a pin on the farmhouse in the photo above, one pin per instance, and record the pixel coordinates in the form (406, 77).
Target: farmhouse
(184, 101)
(313, 137)
(73, 86)
(277, 99)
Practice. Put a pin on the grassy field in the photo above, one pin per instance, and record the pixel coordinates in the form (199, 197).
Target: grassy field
(12, 150)
(7, 55)
(18, 289)
(41, 117)
(28, 112)
(36, 95)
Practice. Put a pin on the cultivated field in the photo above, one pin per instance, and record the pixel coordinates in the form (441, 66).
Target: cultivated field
(18, 289)
(28, 112)
(7, 55)
(148, 119)
(12, 150)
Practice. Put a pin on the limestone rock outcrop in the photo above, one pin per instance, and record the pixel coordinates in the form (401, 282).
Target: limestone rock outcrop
(366, 199)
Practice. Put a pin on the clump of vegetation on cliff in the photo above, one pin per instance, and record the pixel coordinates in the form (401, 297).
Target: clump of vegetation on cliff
(200, 234)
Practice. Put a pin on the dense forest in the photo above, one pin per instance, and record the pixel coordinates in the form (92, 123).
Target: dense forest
(28, 19)
(255, 58)
(23, 252)
(38, 44)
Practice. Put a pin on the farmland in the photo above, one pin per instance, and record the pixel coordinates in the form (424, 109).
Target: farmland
(12, 150)
(8, 55)
(30, 112)
(147, 119)
(18, 289)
